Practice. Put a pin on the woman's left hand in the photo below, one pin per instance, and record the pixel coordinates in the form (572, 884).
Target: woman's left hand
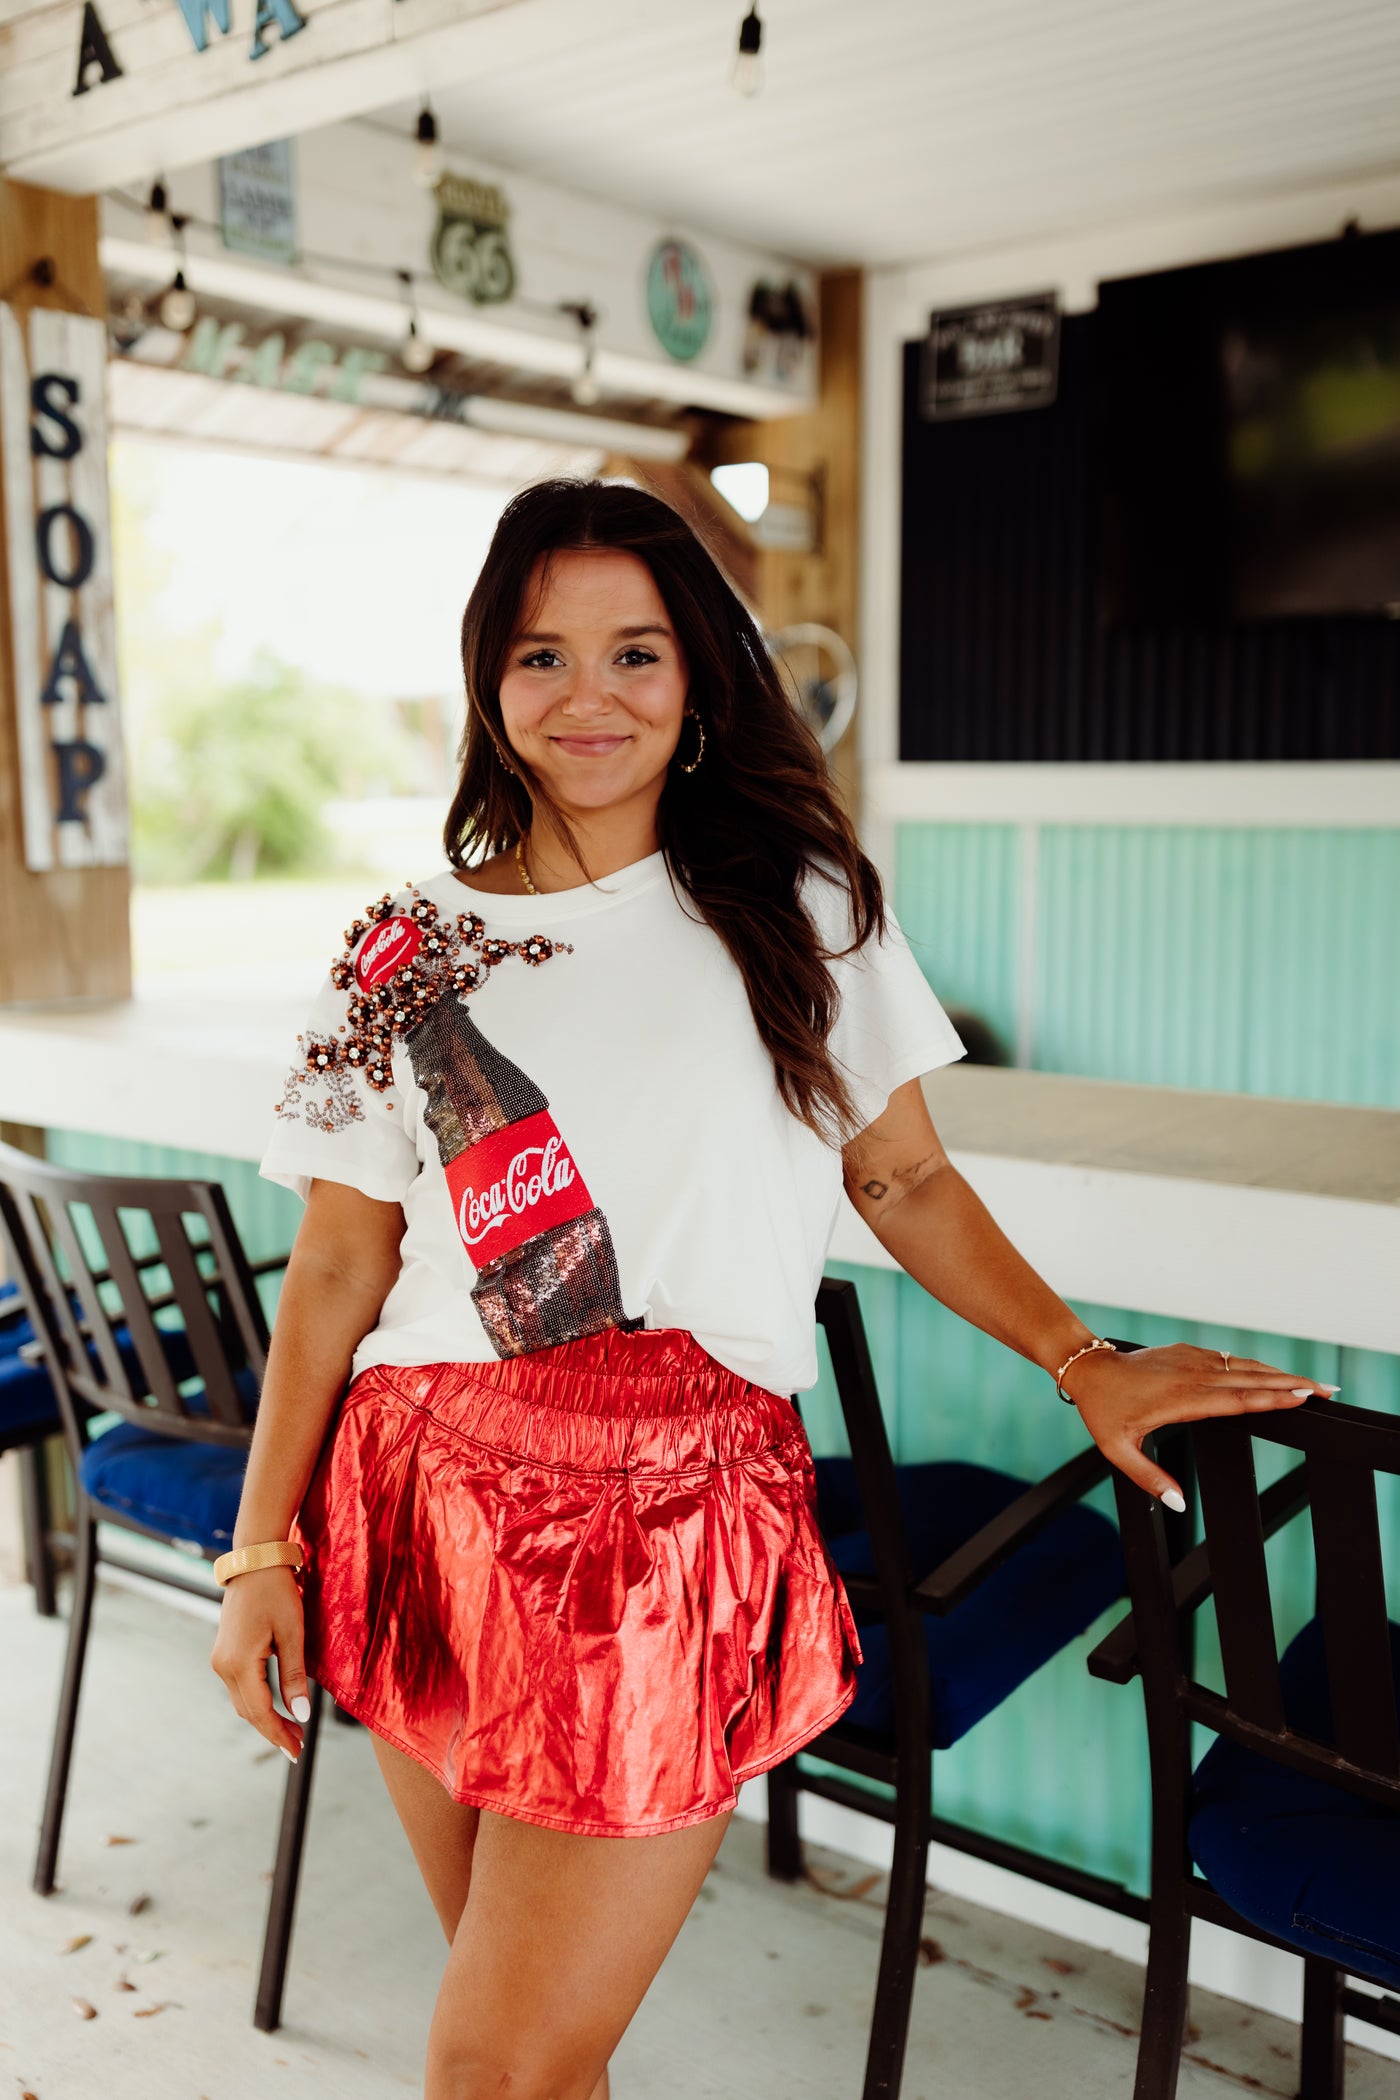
(1123, 1398)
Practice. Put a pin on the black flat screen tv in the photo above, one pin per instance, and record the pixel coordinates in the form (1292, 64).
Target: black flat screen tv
(1249, 436)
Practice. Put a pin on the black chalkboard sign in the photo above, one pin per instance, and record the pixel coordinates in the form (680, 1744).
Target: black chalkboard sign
(983, 360)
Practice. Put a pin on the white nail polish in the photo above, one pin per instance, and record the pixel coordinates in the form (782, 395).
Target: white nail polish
(291, 1760)
(1329, 1389)
(1301, 1392)
(1172, 1498)
(301, 1707)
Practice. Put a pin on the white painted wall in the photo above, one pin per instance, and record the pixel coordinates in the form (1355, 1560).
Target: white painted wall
(897, 306)
(357, 200)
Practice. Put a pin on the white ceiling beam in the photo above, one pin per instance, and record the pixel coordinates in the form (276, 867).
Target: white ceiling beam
(174, 105)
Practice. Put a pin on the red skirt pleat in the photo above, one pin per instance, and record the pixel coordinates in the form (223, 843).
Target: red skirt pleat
(585, 1587)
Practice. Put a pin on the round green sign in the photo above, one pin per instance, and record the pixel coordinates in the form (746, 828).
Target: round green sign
(680, 304)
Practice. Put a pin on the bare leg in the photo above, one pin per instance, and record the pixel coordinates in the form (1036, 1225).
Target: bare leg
(554, 1953)
(442, 1835)
(440, 1830)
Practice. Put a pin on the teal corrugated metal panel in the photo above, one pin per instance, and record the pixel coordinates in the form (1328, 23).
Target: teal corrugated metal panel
(1062, 1766)
(1256, 962)
(956, 893)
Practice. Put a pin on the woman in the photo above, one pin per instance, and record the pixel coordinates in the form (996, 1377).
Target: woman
(571, 1123)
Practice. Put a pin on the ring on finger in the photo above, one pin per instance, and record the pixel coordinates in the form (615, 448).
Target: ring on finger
(1225, 1358)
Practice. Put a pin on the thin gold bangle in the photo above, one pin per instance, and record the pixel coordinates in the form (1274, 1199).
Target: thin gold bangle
(248, 1560)
(1088, 1349)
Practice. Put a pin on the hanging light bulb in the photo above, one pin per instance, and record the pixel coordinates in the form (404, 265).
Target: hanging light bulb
(747, 76)
(585, 387)
(427, 153)
(157, 215)
(177, 307)
(129, 323)
(584, 384)
(416, 353)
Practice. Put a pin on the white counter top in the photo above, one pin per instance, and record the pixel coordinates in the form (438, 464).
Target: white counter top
(1279, 1216)
(196, 1061)
(1272, 1215)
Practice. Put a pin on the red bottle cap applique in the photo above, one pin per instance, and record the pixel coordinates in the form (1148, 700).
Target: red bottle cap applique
(386, 948)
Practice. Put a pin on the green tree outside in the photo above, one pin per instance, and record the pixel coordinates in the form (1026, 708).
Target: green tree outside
(229, 778)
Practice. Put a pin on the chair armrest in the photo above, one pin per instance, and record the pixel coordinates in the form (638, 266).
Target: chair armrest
(1115, 1659)
(962, 1572)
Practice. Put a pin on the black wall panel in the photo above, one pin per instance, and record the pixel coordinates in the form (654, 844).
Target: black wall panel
(1004, 651)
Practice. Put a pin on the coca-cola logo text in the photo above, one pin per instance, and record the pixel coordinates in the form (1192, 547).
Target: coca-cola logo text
(513, 1185)
(535, 1172)
(386, 948)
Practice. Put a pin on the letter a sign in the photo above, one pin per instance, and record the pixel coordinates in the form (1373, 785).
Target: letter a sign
(53, 436)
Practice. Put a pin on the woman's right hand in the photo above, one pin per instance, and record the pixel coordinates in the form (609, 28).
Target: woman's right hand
(261, 1616)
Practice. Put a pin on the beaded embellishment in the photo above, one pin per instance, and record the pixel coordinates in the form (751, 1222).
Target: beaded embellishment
(422, 954)
(302, 1099)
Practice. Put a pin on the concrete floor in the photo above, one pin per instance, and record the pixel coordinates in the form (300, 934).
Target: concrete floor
(767, 1992)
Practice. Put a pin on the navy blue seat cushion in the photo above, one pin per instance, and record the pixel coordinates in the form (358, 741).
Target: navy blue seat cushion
(172, 1485)
(1299, 1857)
(26, 1396)
(1048, 1592)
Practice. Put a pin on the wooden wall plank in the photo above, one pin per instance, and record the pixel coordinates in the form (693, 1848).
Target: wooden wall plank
(64, 934)
(824, 586)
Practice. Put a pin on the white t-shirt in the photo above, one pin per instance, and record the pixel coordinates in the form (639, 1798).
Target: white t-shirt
(586, 1130)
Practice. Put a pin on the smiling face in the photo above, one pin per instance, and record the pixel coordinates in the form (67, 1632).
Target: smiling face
(594, 687)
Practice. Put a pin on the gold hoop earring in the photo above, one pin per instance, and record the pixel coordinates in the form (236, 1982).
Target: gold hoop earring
(691, 716)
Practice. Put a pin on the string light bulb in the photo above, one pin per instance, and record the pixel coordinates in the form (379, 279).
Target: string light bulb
(747, 76)
(584, 384)
(177, 307)
(427, 151)
(416, 353)
(157, 215)
(129, 323)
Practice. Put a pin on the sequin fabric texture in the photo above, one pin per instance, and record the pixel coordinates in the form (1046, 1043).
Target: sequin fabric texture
(546, 1267)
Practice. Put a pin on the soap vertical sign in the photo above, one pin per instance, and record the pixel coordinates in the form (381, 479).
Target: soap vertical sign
(53, 426)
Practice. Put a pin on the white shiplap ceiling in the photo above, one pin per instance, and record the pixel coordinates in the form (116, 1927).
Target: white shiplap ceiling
(890, 130)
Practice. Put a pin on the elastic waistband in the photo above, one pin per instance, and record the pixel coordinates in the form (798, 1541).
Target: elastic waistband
(649, 1400)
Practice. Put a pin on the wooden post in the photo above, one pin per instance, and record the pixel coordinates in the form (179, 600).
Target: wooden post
(824, 586)
(64, 931)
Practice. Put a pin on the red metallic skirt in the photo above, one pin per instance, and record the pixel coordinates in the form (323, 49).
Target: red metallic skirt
(584, 1587)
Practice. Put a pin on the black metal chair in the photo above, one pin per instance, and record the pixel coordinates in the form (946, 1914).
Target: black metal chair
(144, 1304)
(1301, 1789)
(986, 1565)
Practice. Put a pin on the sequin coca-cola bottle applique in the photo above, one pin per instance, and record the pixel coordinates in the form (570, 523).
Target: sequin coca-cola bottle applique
(546, 1268)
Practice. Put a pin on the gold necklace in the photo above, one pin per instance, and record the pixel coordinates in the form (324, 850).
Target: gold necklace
(521, 868)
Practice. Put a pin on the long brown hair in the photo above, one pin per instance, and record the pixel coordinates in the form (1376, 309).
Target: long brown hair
(745, 830)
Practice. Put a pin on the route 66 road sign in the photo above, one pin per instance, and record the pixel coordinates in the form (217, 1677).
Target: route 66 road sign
(470, 249)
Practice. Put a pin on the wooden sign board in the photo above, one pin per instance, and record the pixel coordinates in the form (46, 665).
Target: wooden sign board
(53, 433)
